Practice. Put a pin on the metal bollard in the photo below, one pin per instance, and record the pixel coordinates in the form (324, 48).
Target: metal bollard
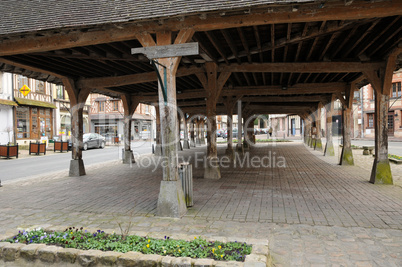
(186, 176)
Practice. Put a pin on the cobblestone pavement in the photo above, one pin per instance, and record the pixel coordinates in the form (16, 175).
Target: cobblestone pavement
(313, 212)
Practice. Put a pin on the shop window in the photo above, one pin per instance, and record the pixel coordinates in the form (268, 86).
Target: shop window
(371, 120)
(23, 129)
(40, 87)
(396, 89)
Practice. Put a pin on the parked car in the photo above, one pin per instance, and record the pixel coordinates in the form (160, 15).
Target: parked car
(219, 133)
(235, 132)
(91, 140)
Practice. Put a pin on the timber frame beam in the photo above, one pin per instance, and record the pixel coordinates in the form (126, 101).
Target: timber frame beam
(109, 33)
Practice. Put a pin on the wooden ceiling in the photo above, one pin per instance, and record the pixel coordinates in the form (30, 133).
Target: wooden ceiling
(285, 67)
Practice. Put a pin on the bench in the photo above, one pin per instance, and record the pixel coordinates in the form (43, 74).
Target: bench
(368, 150)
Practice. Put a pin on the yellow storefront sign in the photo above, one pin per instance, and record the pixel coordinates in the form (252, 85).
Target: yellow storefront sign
(25, 90)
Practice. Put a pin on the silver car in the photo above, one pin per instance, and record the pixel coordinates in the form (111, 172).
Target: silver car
(93, 140)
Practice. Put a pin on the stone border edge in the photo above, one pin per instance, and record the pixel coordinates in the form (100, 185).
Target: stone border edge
(44, 254)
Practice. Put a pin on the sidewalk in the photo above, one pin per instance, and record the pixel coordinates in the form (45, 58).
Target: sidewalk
(313, 213)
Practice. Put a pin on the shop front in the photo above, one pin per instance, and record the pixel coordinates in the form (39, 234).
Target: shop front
(34, 120)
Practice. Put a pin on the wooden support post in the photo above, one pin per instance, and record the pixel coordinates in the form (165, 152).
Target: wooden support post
(347, 120)
(248, 130)
(202, 132)
(192, 134)
(318, 141)
(230, 104)
(381, 82)
(158, 136)
(239, 147)
(313, 131)
(186, 143)
(77, 102)
(329, 110)
(198, 131)
(179, 146)
(130, 104)
(171, 200)
(213, 86)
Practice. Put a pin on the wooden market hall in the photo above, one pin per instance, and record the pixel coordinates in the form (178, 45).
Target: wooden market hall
(229, 57)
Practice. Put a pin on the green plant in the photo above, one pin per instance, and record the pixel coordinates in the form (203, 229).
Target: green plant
(82, 239)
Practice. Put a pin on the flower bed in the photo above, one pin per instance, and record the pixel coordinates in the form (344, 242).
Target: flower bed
(395, 159)
(97, 245)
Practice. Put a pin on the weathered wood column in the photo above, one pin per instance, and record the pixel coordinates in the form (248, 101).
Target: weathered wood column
(158, 136)
(186, 143)
(239, 147)
(382, 82)
(77, 98)
(329, 110)
(192, 134)
(202, 132)
(248, 130)
(179, 146)
(230, 104)
(347, 120)
(318, 141)
(213, 86)
(171, 200)
(130, 104)
(198, 132)
(312, 134)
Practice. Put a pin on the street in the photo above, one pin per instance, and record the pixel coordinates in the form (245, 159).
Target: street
(13, 169)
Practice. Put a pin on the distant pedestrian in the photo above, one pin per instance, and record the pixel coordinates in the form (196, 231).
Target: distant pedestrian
(270, 131)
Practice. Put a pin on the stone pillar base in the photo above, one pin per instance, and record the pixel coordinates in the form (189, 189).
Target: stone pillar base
(211, 169)
(192, 143)
(329, 150)
(158, 150)
(381, 172)
(246, 145)
(347, 157)
(186, 144)
(318, 144)
(76, 168)
(198, 141)
(171, 200)
(239, 149)
(128, 157)
(179, 146)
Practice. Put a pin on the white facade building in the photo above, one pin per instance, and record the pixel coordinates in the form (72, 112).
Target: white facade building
(7, 106)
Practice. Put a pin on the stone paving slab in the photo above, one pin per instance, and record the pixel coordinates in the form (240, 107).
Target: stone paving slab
(312, 212)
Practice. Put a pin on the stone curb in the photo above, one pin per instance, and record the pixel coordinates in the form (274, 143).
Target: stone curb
(41, 254)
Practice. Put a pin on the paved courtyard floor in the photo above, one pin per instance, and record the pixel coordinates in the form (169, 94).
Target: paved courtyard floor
(312, 211)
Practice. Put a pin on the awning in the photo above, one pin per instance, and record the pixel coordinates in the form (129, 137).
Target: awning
(8, 102)
(29, 102)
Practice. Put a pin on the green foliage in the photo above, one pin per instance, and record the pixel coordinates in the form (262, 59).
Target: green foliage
(391, 156)
(80, 239)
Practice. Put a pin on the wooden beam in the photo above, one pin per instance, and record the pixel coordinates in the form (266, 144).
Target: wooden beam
(307, 12)
(31, 68)
(145, 77)
(298, 89)
(310, 67)
(389, 70)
